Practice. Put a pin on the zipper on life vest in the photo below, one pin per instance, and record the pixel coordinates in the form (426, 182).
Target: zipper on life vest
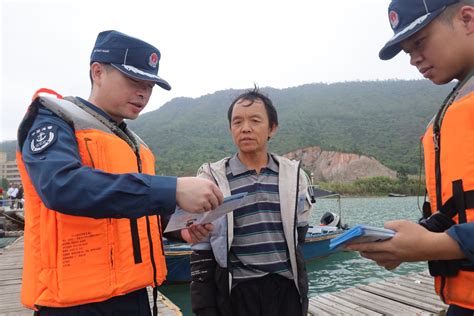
(437, 144)
(437, 147)
(112, 257)
(111, 241)
(436, 141)
(160, 230)
(148, 228)
(87, 140)
(295, 224)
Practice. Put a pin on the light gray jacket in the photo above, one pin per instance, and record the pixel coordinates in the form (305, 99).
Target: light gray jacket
(295, 206)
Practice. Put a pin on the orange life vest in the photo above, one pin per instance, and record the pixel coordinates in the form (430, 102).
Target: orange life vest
(449, 165)
(73, 260)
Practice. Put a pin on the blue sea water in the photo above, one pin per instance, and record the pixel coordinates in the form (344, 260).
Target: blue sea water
(344, 269)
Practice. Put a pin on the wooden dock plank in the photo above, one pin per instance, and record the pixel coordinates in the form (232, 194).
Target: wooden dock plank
(354, 307)
(319, 309)
(350, 305)
(412, 285)
(390, 303)
(387, 297)
(366, 301)
(412, 292)
(417, 303)
(11, 262)
(336, 308)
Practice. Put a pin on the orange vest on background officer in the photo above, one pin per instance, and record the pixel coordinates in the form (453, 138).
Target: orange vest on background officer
(438, 36)
(93, 235)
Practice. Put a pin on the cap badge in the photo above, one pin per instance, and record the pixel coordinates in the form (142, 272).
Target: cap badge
(394, 20)
(153, 60)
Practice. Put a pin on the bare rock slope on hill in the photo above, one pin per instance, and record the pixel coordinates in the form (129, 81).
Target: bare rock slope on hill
(335, 166)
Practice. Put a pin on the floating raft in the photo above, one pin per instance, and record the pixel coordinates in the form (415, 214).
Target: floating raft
(404, 295)
(11, 265)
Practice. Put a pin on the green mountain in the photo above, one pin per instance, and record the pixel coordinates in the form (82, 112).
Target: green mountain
(383, 119)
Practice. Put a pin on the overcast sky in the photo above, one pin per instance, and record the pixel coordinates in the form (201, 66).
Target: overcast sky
(205, 45)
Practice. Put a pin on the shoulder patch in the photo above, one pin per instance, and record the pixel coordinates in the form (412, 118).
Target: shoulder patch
(42, 137)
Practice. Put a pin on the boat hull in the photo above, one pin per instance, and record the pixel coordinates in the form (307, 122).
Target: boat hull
(318, 246)
(178, 255)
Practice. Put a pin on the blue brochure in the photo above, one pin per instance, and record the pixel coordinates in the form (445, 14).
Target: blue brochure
(361, 234)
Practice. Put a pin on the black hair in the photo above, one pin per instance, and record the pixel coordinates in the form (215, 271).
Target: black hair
(252, 96)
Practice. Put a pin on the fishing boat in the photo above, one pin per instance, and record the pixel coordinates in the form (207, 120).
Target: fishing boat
(316, 243)
(397, 195)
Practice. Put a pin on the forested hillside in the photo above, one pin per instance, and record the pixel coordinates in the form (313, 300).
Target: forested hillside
(383, 119)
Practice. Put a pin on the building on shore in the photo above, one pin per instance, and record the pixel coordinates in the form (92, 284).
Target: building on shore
(9, 169)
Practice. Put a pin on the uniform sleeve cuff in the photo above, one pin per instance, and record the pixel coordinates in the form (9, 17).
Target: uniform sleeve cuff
(163, 194)
(462, 234)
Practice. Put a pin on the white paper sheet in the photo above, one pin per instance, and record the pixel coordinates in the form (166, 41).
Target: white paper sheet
(183, 219)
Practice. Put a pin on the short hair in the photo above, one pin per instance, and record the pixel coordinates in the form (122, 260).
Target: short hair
(252, 96)
(448, 14)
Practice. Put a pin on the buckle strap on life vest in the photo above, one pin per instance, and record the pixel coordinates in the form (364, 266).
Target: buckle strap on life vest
(456, 205)
(137, 254)
(459, 202)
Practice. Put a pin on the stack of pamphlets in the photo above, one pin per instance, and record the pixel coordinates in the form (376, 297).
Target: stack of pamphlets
(361, 234)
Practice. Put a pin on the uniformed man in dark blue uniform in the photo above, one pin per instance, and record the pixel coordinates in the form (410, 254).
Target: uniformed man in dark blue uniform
(49, 149)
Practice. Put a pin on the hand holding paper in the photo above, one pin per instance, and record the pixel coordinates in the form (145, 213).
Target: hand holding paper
(197, 195)
(361, 234)
(182, 219)
(412, 242)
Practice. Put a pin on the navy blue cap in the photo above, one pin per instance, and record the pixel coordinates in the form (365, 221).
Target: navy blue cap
(408, 17)
(132, 56)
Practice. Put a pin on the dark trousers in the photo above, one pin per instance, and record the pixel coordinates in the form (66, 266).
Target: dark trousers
(132, 304)
(271, 295)
(455, 310)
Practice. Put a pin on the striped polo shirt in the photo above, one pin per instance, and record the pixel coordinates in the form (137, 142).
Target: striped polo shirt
(259, 245)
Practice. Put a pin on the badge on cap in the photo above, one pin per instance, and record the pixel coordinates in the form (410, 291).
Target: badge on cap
(153, 60)
(394, 20)
(42, 138)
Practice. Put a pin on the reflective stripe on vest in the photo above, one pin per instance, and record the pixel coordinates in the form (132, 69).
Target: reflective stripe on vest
(449, 168)
(73, 260)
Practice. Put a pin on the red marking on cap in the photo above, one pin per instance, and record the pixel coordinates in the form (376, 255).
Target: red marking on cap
(153, 60)
(393, 17)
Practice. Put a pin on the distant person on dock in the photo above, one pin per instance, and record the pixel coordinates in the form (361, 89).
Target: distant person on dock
(252, 262)
(438, 37)
(9, 194)
(12, 195)
(93, 234)
(19, 198)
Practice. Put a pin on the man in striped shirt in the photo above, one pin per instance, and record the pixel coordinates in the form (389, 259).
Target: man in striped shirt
(251, 263)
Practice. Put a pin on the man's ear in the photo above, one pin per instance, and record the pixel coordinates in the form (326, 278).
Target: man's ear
(97, 73)
(273, 131)
(467, 15)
